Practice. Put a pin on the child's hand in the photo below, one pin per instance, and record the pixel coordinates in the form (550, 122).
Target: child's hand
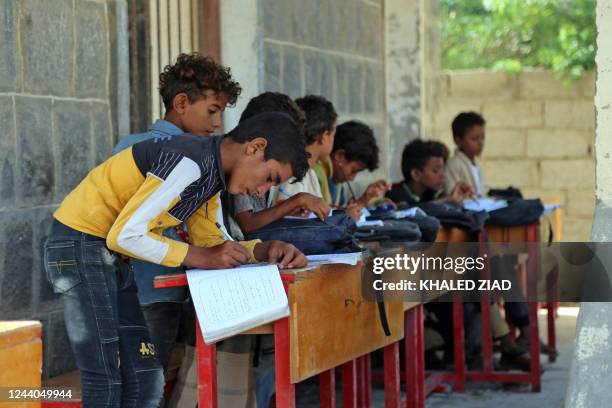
(353, 209)
(286, 255)
(374, 190)
(300, 212)
(226, 255)
(315, 204)
(460, 192)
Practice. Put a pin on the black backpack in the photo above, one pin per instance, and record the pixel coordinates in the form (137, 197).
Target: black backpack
(518, 212)
(454, 215)
(391, 230)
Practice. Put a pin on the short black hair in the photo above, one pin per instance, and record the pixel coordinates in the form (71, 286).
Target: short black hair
(464, 121)
(273, 102)
(358, 142)
(285, 139)
(194, 74)
(417, 153)
(320, 116)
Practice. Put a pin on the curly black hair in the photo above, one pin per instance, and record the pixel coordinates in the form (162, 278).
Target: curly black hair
(358, 142)
(320, 116)
(417, 153)
(464, 121)
(194, 74)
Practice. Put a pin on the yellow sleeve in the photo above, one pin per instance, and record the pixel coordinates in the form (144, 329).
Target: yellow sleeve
(203, 230)
(131, 233)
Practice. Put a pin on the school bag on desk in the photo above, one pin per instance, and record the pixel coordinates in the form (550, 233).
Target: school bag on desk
(518, 212)
(389, 230)
(311, 235)
(454, 215)
(428, 226)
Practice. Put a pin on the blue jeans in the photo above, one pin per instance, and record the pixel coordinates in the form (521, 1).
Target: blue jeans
(106, 328)
(163, 320)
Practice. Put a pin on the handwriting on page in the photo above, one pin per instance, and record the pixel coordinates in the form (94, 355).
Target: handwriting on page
(235, 294)
(229, 301)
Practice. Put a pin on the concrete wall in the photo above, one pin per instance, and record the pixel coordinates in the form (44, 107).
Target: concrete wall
(590, 376)
(330, 48)
(62, 103)
(540, 135)
(346, 50)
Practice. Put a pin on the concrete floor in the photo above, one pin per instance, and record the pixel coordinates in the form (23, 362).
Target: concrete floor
(483, 395)
(554, 379)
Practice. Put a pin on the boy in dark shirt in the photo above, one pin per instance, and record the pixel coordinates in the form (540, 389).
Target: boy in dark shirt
(423, 170)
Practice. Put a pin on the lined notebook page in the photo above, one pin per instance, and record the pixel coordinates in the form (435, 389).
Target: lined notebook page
(230, 301)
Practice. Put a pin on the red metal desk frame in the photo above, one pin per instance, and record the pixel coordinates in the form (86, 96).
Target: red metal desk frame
(356, 377)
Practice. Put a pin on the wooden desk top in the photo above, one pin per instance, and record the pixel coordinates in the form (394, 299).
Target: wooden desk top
(330, 324)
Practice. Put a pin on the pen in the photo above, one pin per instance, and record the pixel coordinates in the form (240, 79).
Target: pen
(351, 190)
(283, 192)
(226, 236)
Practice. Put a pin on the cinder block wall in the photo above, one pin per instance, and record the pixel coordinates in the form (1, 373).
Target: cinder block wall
(58, 118)
(539, 135)
(330, 48)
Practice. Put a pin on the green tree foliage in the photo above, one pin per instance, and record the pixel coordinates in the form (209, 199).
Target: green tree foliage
(513, 34)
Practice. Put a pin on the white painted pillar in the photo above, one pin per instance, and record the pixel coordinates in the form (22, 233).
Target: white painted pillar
(591, 374)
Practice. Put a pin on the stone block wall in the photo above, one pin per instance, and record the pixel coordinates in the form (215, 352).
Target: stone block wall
(330, 48)
(539, 135)
(59, 118)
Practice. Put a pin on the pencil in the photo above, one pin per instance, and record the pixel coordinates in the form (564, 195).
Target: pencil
(225, 236)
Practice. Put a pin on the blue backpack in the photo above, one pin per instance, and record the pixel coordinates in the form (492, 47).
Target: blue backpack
(312, 236)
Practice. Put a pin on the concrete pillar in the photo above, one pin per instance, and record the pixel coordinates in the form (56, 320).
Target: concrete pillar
(403, 57)
(241, 50)
(591, 375)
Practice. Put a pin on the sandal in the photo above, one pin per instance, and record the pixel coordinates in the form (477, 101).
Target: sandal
(515, 358)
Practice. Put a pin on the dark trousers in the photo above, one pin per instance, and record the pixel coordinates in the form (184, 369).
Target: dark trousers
(105, 324)
(503, 267)
(163, 321)
(443, 310)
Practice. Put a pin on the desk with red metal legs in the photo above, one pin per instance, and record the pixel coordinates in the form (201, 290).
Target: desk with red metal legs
(330, 326)
(418, 384)
(529, 235)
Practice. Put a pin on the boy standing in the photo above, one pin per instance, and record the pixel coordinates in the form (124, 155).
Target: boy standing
(121, 208)
(195, 91)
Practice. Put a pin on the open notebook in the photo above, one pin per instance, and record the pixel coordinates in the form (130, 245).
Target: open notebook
(230, 301)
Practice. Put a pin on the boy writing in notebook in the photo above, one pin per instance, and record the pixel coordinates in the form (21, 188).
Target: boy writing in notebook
(252, 212)
(423, 165)
(354, 150)
(120, 209)
(319, 130)
(195, 91)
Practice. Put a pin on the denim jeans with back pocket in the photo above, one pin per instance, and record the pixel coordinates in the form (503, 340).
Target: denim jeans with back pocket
(106, 328)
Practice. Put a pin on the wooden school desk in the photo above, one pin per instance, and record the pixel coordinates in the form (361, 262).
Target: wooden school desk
(329, 326)
(420, 384)
(530, 236)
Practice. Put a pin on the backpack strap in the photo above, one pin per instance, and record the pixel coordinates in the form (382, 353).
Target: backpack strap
(383, 313)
